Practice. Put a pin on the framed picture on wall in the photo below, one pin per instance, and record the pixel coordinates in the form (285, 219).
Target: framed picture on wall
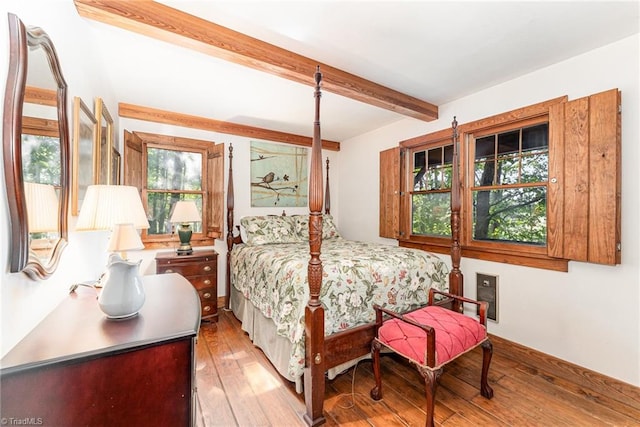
(278, 175)
(84, 153)
(105, 142)
(115, 167)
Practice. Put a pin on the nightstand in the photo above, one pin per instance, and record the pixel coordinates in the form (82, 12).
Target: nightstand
(199, 268)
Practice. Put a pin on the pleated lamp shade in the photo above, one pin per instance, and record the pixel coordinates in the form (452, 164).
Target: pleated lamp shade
(185, 211)
(107, 205)
(124, 237)
(42, 207)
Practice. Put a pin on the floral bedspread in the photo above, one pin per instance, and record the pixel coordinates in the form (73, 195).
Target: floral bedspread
(356, 275)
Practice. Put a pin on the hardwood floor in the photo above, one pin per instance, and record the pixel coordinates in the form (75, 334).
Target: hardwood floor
(237, 386)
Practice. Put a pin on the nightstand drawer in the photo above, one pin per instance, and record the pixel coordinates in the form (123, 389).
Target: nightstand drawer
(201, 282)
(208, 303)
(199, 268)
(187, 270)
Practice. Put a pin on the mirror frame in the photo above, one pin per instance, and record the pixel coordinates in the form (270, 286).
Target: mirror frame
(20, 40)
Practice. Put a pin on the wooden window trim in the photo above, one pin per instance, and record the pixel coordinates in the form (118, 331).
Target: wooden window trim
(511, 253)
(523, 259)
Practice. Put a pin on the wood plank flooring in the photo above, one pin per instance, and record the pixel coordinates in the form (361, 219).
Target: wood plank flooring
(237, 386)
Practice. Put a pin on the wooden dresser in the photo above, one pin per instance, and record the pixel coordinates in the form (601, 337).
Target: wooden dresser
(79, 368)
(201, 269)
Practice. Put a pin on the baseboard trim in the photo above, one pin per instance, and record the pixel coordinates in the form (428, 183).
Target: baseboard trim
(618, 390)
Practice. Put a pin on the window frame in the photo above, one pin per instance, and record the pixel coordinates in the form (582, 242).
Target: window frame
(202, 147)
(161, 238)
(407, 149)
(512, 253)
(469, 138)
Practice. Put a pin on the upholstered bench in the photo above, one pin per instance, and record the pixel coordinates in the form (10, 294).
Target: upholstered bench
(430, 337)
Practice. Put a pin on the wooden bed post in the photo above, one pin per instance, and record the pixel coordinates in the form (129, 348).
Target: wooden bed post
(230, 196)
(455, 276)
(314, 382)
(327, 197)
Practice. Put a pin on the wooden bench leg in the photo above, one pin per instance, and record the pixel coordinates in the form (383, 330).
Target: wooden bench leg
(376, 391)
(487, 353)
(431, 383)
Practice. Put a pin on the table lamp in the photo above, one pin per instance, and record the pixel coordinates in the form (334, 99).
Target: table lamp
(117, 208)
(185, 212)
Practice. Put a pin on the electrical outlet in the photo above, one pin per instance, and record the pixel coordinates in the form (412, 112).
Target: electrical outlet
(487, 290)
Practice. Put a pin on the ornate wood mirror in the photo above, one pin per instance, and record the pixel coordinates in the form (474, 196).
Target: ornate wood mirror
(36, 151)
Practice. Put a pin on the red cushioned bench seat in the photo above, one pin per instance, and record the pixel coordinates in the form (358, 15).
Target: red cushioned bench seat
(429, 338)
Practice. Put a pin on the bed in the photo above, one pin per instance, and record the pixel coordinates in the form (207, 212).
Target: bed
(305, 295)
(269, 279)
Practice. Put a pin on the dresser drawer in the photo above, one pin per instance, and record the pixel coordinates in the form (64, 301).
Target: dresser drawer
(188, 270)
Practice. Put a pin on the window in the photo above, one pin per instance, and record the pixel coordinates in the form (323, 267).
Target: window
(509, 185)
(169, 169)
(173, 174)
(539, 185)
(431, 195)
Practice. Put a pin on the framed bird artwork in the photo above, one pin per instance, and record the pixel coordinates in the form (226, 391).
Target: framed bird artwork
(278, 175)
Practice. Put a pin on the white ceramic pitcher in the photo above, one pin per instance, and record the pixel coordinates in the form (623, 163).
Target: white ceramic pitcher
(122, 293)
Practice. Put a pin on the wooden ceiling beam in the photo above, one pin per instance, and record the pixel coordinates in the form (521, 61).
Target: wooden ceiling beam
(174, 26)
(177, 119)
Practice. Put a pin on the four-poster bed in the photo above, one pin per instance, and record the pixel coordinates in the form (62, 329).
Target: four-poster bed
(257, 283)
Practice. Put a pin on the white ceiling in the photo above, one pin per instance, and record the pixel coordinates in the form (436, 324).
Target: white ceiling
(435, 51)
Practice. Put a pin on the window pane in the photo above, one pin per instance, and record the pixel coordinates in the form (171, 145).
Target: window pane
(432, 169)
(485, 161)
(509, 143)
(535, 168)
(160, 207)
(516, 215)
(448, 154)
(535, 138)
(431, 214)
(173, 170)
(485, 148)
(508, 170)
(41, 159)
(447, 176)
(419, 171)
(435, 174)
(483, 174)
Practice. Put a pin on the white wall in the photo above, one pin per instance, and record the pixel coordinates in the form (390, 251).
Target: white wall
(588, 316)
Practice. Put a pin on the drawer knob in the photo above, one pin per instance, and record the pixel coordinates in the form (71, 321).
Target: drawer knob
(207, 295)
(207, 282)
(207, 268)
(168, 271)
(207, 308)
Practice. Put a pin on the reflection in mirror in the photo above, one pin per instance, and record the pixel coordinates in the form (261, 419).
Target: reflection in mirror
(84, 153)
(36, 151)
(105, 142)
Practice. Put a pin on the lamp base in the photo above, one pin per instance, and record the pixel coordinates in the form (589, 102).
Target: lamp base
(184, 232)
(184, 250)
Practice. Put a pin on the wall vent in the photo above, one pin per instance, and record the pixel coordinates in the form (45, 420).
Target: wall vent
(487, 290)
